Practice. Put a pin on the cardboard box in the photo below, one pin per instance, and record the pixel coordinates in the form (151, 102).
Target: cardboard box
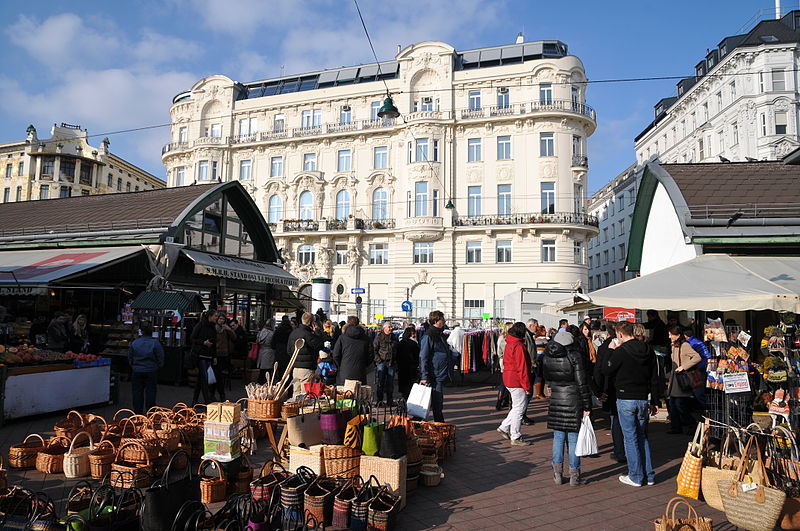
(220, 430)
(231, 412)
(214, 412)
(232, 447)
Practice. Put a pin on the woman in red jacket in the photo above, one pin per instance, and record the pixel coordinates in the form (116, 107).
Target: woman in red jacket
(517, 379)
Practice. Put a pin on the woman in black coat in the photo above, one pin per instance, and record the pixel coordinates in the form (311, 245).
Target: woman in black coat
(608, 393)
(352, 353)
(570, 401)
(407, 361)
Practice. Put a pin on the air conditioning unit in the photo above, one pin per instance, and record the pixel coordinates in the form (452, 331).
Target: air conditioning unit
(503, 90)
(427, 100)
(346, 108)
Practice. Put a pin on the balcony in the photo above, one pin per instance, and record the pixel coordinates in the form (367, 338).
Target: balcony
(210, 141)
(243, 139)
(277, 134)
(426, 115)
(533, 107)
(580, 161)
(300, 225)
(560, 218)
(174, 146)
(378, 224)
(423, 229)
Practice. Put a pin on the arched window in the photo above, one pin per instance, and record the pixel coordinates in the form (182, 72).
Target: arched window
(380, 202)
(275, 212)
(306, 205)
(342, 204)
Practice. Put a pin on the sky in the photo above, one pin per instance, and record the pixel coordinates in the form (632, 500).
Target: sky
(114, 66)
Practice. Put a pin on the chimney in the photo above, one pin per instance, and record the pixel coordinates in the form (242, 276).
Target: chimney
(521, 37)
(777, 9)
(398, 49)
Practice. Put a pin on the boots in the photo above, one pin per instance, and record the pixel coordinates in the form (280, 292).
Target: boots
(557, 468)
(537, 390)
(575, 477)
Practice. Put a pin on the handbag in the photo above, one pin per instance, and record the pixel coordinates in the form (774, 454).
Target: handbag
(382, 511)
(316, 386)
(419, 401)
(684, 381)
(692, 465)
(692, 522)
(371, 443)
(401, 418)
(757, 509)
(165, 497)
(783, 466)
(719, 466)
(342, 501)
(354, 431)
(359, 506)
(267, 482)
(393, 441)
(333, 423)
(253, 353)
(304, 430)
(292, 490)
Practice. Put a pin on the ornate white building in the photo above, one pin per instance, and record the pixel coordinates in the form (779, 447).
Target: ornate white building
(476, 190)
(741, 103)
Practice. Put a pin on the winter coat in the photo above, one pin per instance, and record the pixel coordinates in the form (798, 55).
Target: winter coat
(57, 336)
(279, 344)
(434, 356)
(145, 354)
(201, 332)
(683, 356)
(385, 347)
(605, 384)
(408, 359)
(226, 342)
(501, 350)
(633, 369)
(352, 355)
(565, 374)
(516, 364)
(307, 357)
(266, 354)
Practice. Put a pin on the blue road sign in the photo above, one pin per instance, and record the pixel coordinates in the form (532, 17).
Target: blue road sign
(406, 306)
(357, 291)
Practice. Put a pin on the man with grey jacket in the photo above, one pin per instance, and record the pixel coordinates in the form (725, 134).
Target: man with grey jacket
(146, 357)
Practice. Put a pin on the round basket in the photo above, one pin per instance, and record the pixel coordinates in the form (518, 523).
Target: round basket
(100, 460)
(69, 427)
(341, 461)
(263, 409)
(290, 409)
(76, 460)
(212, 489)
(50, 460)
(23, 455)
(412, 469)
(430, 475)
(430, 459)
(126, 474)
(148, 447)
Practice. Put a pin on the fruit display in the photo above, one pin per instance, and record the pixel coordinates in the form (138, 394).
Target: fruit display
(82, 357)
(27, 355)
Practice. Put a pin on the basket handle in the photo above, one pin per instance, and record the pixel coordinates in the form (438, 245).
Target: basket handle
(676, 502)
(34, 435)
(80, 488)
(63, 441)
(216, 463)
(80, 417)
(115, 419)
(179, 406)
(72, 444)
(109, 443)
(134, 443)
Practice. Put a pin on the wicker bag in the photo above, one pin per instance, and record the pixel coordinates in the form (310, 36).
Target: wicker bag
(318, 498)
(719, 466)
(341, 461)
(359, 507)
(243, 478)
(292, 490)
(100, 460)
(382, 511)
(50, 460)
(126, 474)
(76, 460)
(138, 429)
(290, 409)
(267, 481)
(23, 455)
(692, 465)
(343, 500)
(668, 522)
(212, 489)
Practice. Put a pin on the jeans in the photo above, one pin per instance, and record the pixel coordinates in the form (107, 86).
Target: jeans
(440, 363)
(384, 381)
(617, 438)
(143, 389)
(571, 438)
(633, 415)
(519, 403)
(679, 412)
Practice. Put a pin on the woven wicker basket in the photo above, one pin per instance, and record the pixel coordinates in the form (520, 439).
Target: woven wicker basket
(126, 474)
(76, 460)
(264, 409)
(290, 409)
(50, 460)
(23, 455)
(212, 489)
(431, 475)
(341, 461)
(311, 458)
(100, 460)
(430, 459)
(70, 426)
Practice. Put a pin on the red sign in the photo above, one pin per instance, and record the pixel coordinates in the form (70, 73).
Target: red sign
(619, 314)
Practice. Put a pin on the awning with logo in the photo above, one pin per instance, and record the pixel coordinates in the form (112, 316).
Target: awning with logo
(238, 268)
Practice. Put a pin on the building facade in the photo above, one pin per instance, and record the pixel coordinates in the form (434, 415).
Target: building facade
(65, 165)
(613, 206)
(740, 105)
(476, 190)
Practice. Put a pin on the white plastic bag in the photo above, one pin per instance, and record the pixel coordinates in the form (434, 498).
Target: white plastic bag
(212, 378)
(587, 442)
(419, 401)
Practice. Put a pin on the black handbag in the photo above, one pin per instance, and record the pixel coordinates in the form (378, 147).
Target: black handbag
(394, 444)
(165, 497)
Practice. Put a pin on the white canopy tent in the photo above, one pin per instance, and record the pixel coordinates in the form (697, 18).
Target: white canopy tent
(710, 282)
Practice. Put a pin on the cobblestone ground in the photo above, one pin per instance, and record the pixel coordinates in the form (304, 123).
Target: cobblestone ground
(488, 483)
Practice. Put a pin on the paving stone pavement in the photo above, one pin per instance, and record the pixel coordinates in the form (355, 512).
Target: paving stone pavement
(488, 484)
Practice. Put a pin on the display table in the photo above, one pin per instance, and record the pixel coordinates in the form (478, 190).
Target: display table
(47, 388)
(276, 445)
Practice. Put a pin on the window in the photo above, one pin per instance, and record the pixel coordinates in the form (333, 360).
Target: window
(110, 182)
(248, 126)
(719, 101)
(605, 257)
(473, 309)
(380, 202)
(761, 82)
(306, 254)
(378, 253)
(473, 201)
(341, 255)
(704, 113)
(621, 227)
(735, 133)
(279, 123)
(310, 162)
(732, 88)
(9, 169)
(503, 199)
(423, 252)
(546, 94)
(342, 205)
(474, 150)
(435, 202)
(6, 195)
(474, 100)
(436, 151)
(276, 167)
(576, 98)
(421, 308)
(577, 252)
(473, 252)
(422, 149)
(613, 232)
(701, 149)
(380, 158)
(503, 148)
(780, 123)
(548, 250)
(345, 115)
(44, 191)
(427, 104)
(621, 251)
(778, 80)
(503, 248)
(605, 278)
(67, 170)
(577, 146)
(343, 160)
(214, 166)
(127, 187)
(548, 191)
(502, 98)
(721, 140)
(119, 185)
(317, 119)
(66, 191)
(48, 165)
(499, 308)
(245, 170)
(420, 199)
(306, 203)
(18, 196)
(578, 198)
(375, 106)
(763, 124)
(202, 170)
(183, 135)
(180, 176)
(305, 120)
(275, 210)
(547, 147)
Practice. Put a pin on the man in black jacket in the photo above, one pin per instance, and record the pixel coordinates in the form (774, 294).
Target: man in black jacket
(306, 361)
(634, 370)
(385, 349)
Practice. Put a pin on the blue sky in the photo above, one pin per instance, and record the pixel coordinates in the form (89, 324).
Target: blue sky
(110, 66)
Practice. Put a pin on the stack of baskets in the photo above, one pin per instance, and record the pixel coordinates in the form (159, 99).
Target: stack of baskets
(414, 457)
(341, 461)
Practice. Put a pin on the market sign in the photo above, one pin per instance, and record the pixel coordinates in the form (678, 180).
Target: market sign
(238, 268)
(619, 314)
(23, 292)
(736, 382)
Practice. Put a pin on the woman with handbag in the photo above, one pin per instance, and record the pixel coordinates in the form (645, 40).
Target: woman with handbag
(266, 353)
(679, 392)
(517, 380)
(226, 345)
(407, 361)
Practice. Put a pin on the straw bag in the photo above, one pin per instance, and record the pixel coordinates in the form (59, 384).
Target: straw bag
(343, 500)
(318, 498)
(212, 489)
(292, 490)
(23, 455)
(126, 474)
(341, 461)
(784, 464)
(757, 509)
(50, 460)
(304, 429)
(76, 461)
(100, 460)
(359, 507)
(720, 466)
(268, 480)
(692, 522)
(382, 511)
(333, 423)
(692, 466)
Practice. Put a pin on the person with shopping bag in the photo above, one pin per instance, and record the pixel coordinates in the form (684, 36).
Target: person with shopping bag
(434, 355)
(517, 380)
(570, 401)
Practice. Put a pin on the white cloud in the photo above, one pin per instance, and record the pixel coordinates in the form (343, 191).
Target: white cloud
(155, 48)
(241, 18)
(250, 66)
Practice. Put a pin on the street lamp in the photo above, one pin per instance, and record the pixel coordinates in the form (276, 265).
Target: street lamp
(388, 110)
